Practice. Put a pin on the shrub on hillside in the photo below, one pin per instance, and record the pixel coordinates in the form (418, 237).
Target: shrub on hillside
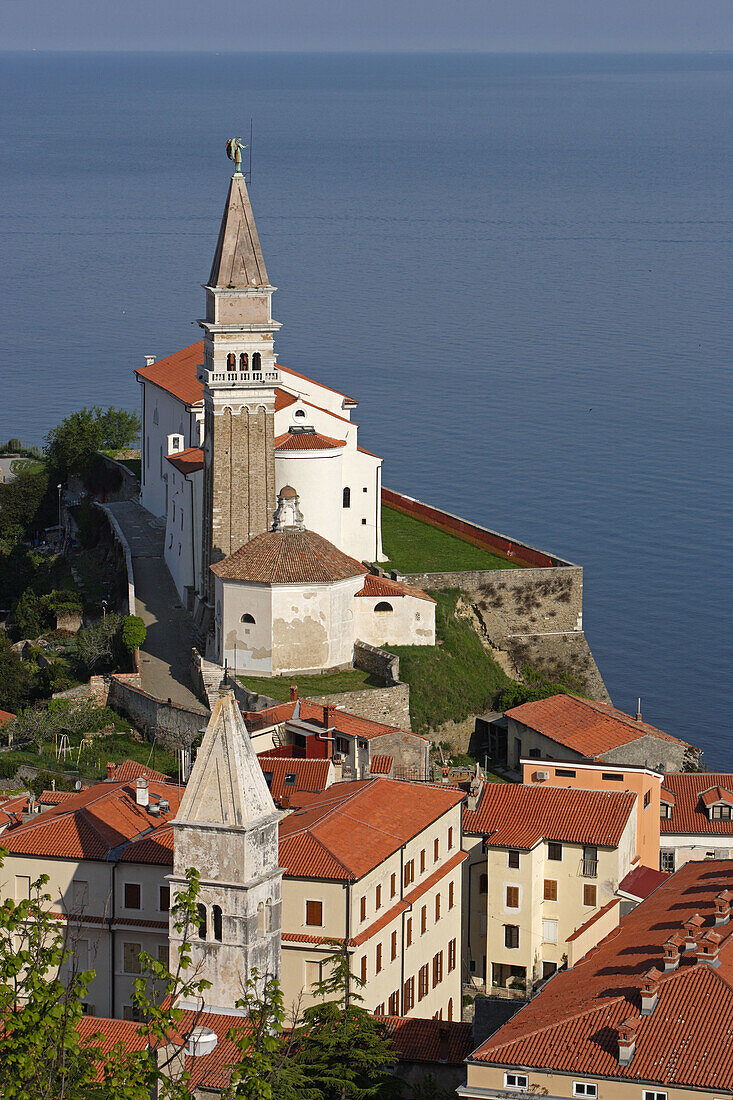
(95, 648)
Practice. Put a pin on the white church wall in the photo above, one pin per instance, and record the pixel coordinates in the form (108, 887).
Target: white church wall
(243, 645)
(314, 391)
(316, 477)
(303, 415)
(361, 521)
(411, 622)
(163, 415)
(313, 625)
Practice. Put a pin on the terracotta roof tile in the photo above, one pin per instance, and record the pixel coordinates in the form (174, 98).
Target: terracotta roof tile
(518, 816)
(308, 775)
(188, 461)
(583, 725)
(381, 764)
(54, 798)
(417, 1040)
(688, 808)
(572, 1024)
(132, 769)
(288, 557)
(357, 825)
(5, 716)
(176, 373)
(307, 441)
(383, 586)
(312, 713)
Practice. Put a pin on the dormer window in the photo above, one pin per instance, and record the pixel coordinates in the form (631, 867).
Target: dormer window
(290, 779)
(665, 811)
(721, 811)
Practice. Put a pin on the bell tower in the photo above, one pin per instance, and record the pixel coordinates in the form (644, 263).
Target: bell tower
(240, 377)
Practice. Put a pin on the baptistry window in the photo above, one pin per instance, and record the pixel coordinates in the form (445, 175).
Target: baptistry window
(248, 619)
(347, 497)
(384, 606)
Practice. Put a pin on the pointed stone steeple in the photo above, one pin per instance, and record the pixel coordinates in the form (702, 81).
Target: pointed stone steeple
(238, 260)
(226, 828)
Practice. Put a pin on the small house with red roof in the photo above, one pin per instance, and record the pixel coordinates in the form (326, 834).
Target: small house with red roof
(696, 818)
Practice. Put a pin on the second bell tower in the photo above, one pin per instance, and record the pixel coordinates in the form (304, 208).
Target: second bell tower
(240, 377)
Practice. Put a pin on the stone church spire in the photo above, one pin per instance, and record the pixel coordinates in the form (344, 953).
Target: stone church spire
(240, 377)
(226, 827)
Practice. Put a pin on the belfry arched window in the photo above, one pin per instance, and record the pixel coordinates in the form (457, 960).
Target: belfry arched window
(257, 361)
(243, 361)
(247, 618)
(231, 361)
(202, 921)
(216, 921)
(347, 497)
(384, 606)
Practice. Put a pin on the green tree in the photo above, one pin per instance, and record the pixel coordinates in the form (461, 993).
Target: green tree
(42, 992)
(266, 1069)
(132, 632)
(25, 506)
(344, 1050)
(95, 646)
(69, 447)
(17, 686)
(29, 617)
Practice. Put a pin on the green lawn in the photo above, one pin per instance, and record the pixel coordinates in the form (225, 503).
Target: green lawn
(113, 747)
(330, 683)
(455, 679)
(27, 466)
(415, 547)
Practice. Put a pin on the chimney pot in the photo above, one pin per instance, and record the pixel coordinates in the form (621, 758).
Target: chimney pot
(293, 693)
(627, 1040)
(671, 950)
(111, 768)
(142, 794)
(707, 951)
(149, 360)
(650, 991)
(443, 1049)
(722, 907)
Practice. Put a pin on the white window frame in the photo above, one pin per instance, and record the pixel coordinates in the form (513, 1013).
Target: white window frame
(580, 1088)
(520, 1081)
(653, 1094)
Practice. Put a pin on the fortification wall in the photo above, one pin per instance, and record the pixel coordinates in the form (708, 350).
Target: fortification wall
(170, 723)
(390, 705)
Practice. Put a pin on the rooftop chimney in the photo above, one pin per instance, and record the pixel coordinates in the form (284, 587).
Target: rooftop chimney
(142, 794)
(638, 710)
(443, 1037)
(149, 360)
(692, 927)
(293, 693)
(722, 906)
(671, 950)
(110, 771)
(329, 712)
(650, 991)
(627, 1040)
(707, 951)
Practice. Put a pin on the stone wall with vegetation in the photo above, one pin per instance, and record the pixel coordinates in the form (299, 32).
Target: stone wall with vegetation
(390, 705)
(168, 722)
(379, 662)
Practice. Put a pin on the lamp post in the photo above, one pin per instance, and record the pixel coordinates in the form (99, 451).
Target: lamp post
(59, 489)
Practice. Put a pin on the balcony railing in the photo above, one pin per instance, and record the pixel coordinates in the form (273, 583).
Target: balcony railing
(237, 378)
(589, 868)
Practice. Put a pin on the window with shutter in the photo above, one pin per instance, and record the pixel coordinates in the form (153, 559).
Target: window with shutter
(131, 958)
(512, 897)
(550, 889)
(589, 895)
(314, 913)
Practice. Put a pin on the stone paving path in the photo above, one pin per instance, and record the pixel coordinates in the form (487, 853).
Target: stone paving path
(165, 657)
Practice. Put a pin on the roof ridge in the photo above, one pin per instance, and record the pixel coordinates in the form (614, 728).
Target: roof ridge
(563, 1020)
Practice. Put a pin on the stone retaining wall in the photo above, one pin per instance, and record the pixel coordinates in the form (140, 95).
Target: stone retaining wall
(378, 662)
(390, 705)
(169, 722)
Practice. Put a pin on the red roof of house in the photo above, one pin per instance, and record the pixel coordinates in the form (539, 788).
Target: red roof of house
(307, 775)
(92, 824)
(5, 716)
(642, 881)
(417, 1040)
(176, 373)
(351, 828)
(307, 441)
(132, 769)
(572, 1025)
(188, 461)
(54, 798)
(584, 725)
(383, 586)
(351, 725)
(288, 557)
(511, 815)
(689, 814)
(381, 764)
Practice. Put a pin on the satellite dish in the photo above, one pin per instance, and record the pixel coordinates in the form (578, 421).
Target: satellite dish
(77, 785)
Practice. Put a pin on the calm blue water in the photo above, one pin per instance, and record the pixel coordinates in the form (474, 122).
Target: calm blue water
(519, 265)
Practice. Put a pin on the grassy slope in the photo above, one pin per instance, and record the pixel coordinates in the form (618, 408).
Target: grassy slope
(278, 687)
(415, 547)
(456, 679)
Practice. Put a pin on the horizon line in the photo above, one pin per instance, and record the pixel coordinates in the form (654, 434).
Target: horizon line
(509, 52)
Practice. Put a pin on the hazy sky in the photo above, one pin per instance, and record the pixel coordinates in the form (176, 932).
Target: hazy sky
(367, 24)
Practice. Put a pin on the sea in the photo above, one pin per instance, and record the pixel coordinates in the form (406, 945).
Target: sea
(520, 265)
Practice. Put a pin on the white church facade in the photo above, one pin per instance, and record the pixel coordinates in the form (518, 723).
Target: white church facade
(226, 430)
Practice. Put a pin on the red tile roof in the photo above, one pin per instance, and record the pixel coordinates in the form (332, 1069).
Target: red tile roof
(310, 775)
(572, 1025)
(714, 795)
(54, 798)
(417, 1040)
(176, 373)
(688, 810)
(307, 441)
(351, 725)
(132, 769)
(642, 881)
(92, 825)
(288, 557)
(511, 815)
(188, 461)
(381, 764)
(351, 828)
(5, 716)
(583, 725)
(383, 586)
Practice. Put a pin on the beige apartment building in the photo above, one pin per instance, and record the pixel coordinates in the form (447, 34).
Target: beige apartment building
(376, 864)
(541, 879)
(646, 1016)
